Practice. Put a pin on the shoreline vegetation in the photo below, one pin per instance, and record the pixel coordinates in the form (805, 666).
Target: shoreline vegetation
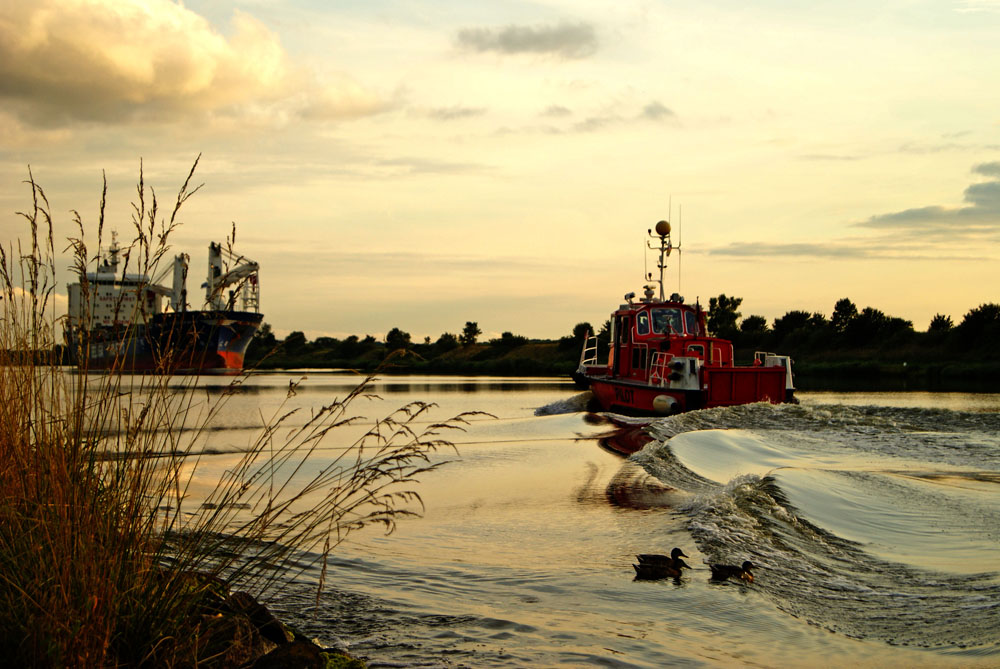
(850, 350)
(113, 552)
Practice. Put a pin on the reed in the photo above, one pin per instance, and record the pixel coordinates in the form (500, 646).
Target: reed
(107, 554)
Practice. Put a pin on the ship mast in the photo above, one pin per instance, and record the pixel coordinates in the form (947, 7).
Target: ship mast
(663, 232)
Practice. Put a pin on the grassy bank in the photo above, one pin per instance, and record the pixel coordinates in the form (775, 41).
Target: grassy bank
(851, 370)
(107, 556)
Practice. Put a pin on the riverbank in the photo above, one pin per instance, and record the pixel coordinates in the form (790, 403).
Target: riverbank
(873, 371)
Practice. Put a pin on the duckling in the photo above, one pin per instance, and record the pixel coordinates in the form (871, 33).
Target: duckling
(653, 566)
(720, 572)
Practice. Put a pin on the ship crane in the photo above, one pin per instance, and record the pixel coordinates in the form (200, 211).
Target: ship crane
(243, 275)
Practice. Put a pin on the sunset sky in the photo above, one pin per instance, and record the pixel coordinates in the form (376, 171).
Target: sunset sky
(406, 164)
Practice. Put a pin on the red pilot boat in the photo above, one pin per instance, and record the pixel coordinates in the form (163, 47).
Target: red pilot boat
(661, 359)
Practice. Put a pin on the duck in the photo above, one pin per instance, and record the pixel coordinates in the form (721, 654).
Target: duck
(652, 566)
(721, 572)
(652, 558)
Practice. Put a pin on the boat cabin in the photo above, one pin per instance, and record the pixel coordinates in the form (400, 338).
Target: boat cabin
(647, 332)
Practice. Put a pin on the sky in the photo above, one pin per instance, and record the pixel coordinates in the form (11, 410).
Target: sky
(392, 163)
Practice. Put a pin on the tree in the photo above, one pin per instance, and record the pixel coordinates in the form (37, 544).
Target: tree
(843, 313)
(940, 323)
(325, 342)
(446, 342)
(605, 332)
(397, 339)
(294, 342)
(866, 326)
(509, 340)
(349, 348)
(264, 337)
(581, 330)
(791, 322)
(817, 321)
(981, 325)
(470, 333)
(753, 325)
(723, 315)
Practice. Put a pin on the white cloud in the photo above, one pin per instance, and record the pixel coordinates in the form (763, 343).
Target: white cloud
(65, 60)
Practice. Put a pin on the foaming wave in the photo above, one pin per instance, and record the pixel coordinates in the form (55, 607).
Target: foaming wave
(573, 404)
(660, 461)
(832, 582)
(960, 439)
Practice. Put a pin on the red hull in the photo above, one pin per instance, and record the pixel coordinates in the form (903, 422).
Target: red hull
(720, 387)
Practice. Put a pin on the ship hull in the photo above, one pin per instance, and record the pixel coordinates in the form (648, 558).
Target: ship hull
(723, 387)
(173, 343)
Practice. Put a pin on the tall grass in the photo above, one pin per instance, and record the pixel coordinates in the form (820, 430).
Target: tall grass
(107, 555)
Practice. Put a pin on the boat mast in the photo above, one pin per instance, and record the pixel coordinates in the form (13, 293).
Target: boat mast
(663, 232)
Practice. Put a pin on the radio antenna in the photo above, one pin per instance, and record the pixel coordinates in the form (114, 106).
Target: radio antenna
(680, 239)
(646, 276)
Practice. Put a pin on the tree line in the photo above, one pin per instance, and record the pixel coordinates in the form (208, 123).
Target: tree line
(460, 352)
(848, 341)
(857, 332)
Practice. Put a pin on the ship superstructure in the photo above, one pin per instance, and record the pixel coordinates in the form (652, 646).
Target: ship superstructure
(132, 322)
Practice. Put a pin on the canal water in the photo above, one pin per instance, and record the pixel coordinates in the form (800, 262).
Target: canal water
(873, 519)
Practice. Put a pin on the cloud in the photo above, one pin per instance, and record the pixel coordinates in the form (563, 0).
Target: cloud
(153, 60)
(975, 6)
(829, 157)
(988, 169)
(594, 123)
(981, 214)
(556, 111)
(405, 166)
(839, 249)
(960, 233)
(565, 40)
(453, 113)
(656, 111)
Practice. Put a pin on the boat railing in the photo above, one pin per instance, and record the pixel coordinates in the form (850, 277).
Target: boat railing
(588, 356)
(659, 370)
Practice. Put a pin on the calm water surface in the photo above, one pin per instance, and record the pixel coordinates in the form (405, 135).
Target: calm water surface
(875, 519)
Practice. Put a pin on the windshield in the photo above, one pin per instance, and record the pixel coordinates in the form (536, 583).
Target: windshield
(667, 321)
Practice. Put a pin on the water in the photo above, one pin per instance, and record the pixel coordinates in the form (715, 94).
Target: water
(874, 519)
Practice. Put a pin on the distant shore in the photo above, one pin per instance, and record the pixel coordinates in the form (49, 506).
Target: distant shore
(559, 360)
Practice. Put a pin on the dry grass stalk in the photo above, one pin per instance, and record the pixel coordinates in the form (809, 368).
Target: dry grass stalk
(104, 555)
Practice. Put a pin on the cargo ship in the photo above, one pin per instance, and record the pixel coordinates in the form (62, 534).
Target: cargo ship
(131, 322)
(662, 360)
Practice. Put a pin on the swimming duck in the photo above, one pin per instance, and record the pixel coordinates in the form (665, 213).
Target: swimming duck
(652, 566)
(652, 558)
(655, 570)
(720, 572)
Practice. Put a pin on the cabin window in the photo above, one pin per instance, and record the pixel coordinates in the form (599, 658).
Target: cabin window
(642, 323)
(692, 323)
(667, 320)
(639, 358)
(697, 350)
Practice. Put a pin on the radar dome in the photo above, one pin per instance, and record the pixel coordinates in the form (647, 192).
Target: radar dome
(663, 228)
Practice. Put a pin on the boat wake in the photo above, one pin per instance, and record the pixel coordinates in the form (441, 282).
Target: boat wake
(574, 404)
(870, 522)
